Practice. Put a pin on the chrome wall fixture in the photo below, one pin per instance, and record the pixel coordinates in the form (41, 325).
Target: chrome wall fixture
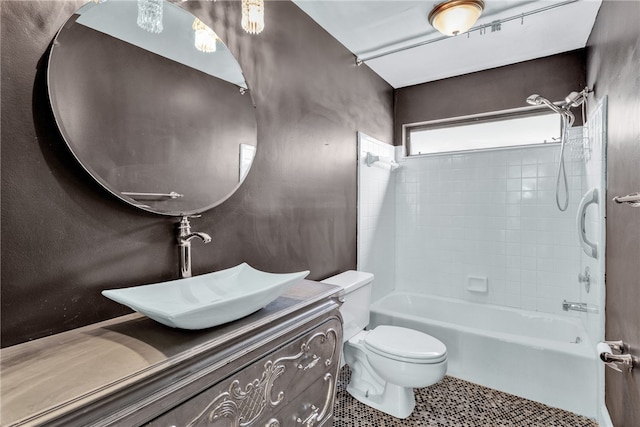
(578, 306)
(588, 247)
(586, 279)
(614, 354)
(630, 199)
(370, 159)
(574, 99)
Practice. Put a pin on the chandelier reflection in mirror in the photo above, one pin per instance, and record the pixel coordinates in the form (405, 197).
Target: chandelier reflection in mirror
(150, 15)
(150, 19)
(253, 16)
(205, 37)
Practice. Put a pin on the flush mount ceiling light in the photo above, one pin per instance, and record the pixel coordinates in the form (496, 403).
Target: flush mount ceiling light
(253, 16)
(455, 17)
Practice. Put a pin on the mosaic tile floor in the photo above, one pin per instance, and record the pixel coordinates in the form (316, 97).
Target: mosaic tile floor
(455, 403)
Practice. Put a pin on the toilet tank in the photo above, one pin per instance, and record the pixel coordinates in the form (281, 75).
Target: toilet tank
(357, 299)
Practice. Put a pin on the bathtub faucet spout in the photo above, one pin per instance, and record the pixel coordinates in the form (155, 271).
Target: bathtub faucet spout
(578, 306)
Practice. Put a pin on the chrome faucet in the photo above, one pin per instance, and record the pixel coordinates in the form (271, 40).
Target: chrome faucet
(575, 306)
(185, 235)
(578, 306)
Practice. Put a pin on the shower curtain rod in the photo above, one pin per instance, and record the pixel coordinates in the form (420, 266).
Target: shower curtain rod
(492, 24)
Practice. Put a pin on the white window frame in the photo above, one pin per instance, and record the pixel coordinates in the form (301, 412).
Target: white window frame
(476, 119)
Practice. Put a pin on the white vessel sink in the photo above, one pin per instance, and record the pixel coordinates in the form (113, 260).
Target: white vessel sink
(207, 300)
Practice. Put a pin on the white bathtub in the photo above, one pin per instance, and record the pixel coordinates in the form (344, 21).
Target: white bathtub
(529, 354)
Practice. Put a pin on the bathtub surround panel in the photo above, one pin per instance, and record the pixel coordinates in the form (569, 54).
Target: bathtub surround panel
(593, 291)
(489, 214)
(376, 215)
(613, 70)
(64, 239)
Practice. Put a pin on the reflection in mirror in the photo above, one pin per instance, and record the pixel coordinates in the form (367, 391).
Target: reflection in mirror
(162, 120)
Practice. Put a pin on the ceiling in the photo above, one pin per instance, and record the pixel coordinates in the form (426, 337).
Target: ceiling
(394, 38)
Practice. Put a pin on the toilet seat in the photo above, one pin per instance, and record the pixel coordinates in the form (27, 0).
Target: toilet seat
(405, 345)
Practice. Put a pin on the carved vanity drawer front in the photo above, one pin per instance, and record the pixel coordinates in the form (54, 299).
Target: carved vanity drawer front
(291, 386)
(311, 408)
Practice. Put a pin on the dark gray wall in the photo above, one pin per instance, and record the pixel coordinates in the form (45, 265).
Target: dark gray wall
(503, 88)
(64, 238)
(613, 70)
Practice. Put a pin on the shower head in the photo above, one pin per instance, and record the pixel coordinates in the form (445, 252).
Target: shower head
(575, 99)
(536, 99)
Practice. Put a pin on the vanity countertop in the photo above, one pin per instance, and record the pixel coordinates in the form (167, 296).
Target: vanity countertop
(42, 378)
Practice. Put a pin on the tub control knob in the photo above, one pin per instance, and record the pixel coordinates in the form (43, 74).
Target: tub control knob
(586, 279)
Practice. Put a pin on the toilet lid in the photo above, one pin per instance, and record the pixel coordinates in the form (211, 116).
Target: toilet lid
(405, 344)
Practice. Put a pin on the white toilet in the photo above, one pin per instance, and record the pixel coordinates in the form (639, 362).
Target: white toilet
(388, 362)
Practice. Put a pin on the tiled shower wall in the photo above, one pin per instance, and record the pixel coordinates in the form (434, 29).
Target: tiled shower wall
(489, 214)
(439, 220)
(376, 215)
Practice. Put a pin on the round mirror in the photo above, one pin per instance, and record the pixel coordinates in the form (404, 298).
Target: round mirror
(152, 104)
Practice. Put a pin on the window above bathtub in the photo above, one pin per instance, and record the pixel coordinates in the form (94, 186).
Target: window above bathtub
(479, 132)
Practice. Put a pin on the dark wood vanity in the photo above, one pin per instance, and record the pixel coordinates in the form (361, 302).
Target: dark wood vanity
(276, 367)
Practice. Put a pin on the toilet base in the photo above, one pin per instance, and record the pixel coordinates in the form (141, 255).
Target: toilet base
(369, 388)
(396, 401)
(386, 384)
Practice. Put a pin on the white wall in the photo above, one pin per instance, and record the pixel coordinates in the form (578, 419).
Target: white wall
(376, 215)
